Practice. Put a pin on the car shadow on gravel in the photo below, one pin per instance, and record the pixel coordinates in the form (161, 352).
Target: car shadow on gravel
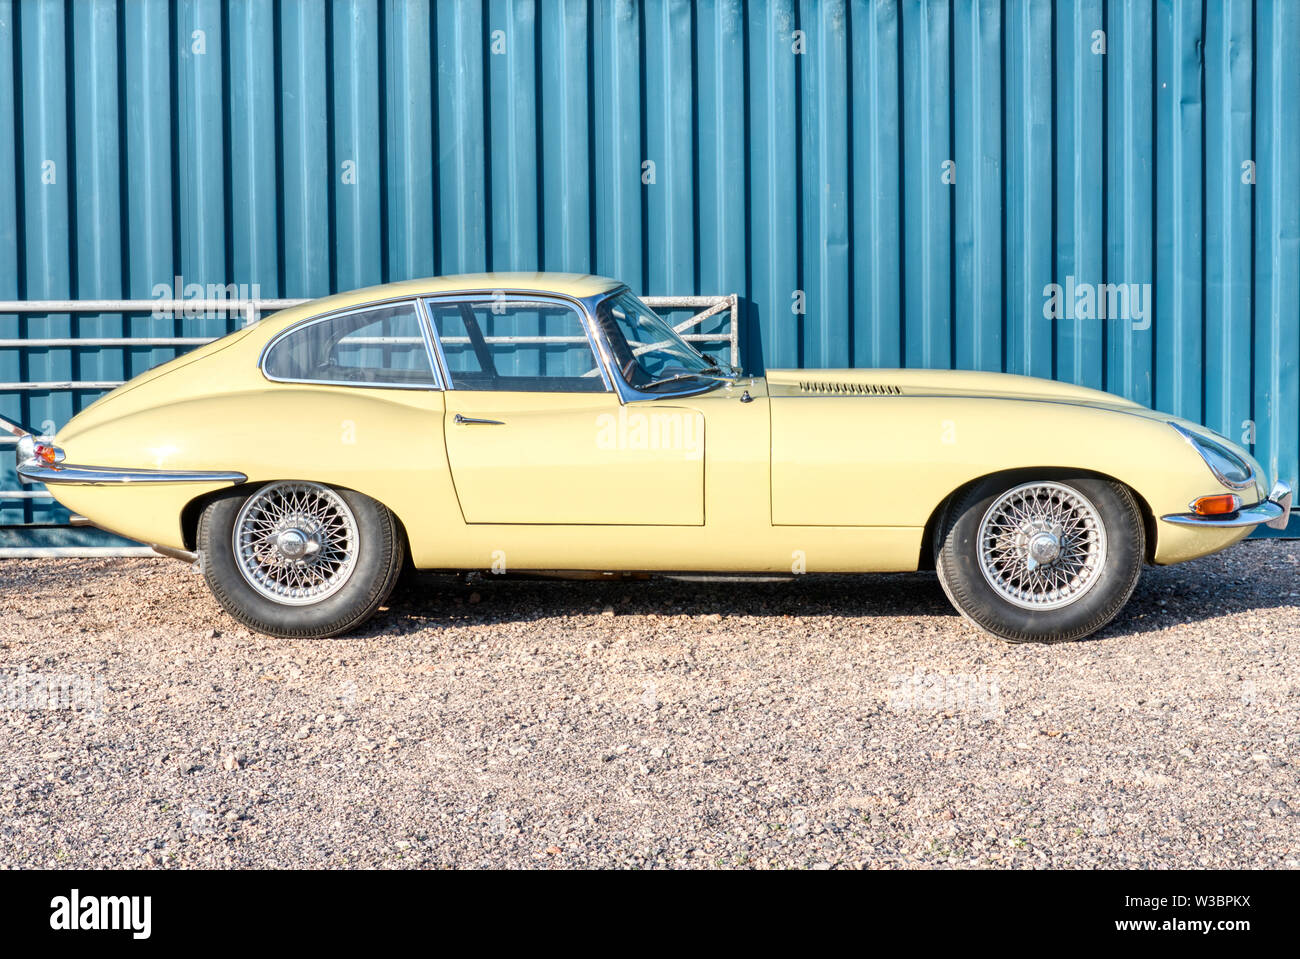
(1254, 577)
(1200, 591)
(486, 599)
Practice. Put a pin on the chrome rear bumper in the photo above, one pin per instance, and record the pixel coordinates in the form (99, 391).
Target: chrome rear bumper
(54, 474)
(41, 463)
(1273, 512)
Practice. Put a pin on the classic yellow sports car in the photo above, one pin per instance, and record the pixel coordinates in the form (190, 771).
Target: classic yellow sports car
(554, 422)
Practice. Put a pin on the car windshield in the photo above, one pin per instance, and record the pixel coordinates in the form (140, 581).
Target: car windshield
(648, 352)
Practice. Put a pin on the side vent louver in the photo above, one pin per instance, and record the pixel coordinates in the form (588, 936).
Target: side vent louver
(827, 388)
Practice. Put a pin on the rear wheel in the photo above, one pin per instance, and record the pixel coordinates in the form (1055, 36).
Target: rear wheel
(1041, 559)
(299, 559)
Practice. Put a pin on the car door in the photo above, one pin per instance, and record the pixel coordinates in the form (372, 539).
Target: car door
(536, 435)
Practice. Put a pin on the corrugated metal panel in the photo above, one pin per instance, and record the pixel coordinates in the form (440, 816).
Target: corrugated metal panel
(885, 183)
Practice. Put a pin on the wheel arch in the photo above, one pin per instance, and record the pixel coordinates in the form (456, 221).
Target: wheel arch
(194, 509)
(926, 559)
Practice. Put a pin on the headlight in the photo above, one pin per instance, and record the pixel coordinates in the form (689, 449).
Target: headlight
(1228, 468)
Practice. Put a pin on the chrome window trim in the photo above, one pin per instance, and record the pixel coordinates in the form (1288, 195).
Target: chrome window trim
(431, 344)
(436, 384)
(477, 296)
(444, 370)
(626, 392)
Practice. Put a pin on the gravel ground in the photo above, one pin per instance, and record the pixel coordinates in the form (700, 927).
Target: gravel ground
(822, 722)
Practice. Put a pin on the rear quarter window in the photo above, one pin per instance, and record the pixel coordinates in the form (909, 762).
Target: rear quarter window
(376, 346)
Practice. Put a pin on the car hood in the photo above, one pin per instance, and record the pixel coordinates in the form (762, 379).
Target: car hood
(969, 384)
(955, 383)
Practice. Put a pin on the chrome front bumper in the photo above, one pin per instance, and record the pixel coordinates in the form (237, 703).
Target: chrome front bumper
(1273, 512)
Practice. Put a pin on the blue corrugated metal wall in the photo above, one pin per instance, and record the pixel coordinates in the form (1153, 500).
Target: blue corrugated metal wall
(914, 173)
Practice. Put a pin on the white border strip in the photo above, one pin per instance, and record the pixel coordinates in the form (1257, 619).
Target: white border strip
(73, 552)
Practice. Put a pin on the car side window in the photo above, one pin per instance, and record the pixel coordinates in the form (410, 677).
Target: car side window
(379, 346)
(526, 346)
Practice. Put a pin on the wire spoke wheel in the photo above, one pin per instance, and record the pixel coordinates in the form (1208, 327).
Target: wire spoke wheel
(296, 543)
(1041, 545)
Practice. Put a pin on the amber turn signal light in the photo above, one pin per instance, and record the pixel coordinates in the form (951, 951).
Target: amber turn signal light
(44, 452)
(1218, 505)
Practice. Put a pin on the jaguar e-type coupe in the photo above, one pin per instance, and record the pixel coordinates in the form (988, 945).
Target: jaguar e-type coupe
(554, 423)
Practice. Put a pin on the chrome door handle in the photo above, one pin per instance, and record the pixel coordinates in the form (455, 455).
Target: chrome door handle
(474, 420)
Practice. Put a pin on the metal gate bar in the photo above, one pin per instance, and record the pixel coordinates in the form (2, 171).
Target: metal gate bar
(251, 309)
(713, 305)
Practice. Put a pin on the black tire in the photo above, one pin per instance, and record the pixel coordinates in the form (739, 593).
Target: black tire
(971, 591)
(378, 563)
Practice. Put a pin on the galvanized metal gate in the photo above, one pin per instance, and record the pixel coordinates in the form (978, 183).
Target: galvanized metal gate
(1100, 191)
(711, 320)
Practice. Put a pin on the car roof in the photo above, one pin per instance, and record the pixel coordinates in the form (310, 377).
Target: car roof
(576, 285)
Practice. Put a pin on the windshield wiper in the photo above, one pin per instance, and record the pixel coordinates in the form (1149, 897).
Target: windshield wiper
(705, 374)
(716, 367)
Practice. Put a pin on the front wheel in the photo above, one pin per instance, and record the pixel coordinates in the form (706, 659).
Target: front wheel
(297, 559)
(1041, 559)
